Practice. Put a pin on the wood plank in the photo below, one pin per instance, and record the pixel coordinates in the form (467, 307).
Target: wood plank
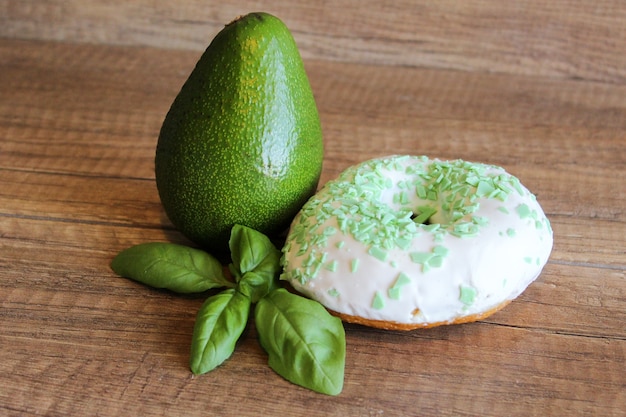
(568, 39)
(433, 114)
(143, 82)
(551, 379)
(397, 92)
(81, 198)
(516, 370)
(93, 119)
(571, 299)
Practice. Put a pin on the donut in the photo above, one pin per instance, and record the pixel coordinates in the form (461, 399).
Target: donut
(405, 242)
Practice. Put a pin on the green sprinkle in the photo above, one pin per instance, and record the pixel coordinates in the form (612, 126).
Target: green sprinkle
(340, 244)
(387, 218)
(523, 211)
(502, 185)
(323, 257)
(354, 265)
(403, 279)
(329, 231)
(421, 191)
(403, 243)
(473, 181)
(465, 229)
(366, 227)
(431, 228)
(467, 295)
(333, 292)
(331, 266)
(445, 184)
(439, 237)
(500, 195)
(440, 250)
(430, 260)
(484, 188)
(395, 290)
(503, 209)
(528, 259)
(436, 261)
(309, 260)
(302, 277)
(480, 221)
(394, 293)
(516, 184)
(510, 232)
(379, 302)
(378, 253)
(420, 257)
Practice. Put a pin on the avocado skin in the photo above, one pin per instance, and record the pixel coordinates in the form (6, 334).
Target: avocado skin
(242, 141)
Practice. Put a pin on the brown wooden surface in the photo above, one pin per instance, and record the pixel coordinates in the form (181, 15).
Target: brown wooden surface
(562, 38)
(536, 87)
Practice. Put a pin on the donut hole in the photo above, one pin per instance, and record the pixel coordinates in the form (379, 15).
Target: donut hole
(423, 214)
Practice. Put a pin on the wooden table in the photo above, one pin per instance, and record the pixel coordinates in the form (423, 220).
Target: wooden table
(80, 111)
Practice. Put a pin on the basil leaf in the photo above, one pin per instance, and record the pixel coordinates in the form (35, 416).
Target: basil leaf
(167, 265)
(256, 262)
(252, 251)
(306, 345)
(220, 322)
(255, 286)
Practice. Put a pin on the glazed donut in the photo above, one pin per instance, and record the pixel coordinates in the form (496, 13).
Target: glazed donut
(404, 242)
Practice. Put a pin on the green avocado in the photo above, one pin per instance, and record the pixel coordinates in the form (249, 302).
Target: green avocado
(242, 141)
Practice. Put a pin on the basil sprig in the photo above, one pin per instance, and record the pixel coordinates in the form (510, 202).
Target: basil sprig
(256, 262)
(305, 344)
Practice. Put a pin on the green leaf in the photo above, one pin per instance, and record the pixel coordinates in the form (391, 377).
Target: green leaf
(256, 262)
(220, 322)
(167, 265)
(306, 345)
(252, 251)
(255, 286)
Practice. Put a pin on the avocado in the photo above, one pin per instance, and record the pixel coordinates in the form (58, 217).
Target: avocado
(242, 142)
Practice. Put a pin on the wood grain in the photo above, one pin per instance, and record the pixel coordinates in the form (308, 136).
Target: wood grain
(78, 127)
(562, 38)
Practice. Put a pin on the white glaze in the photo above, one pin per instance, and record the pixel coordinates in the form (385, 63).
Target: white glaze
(476, 273)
